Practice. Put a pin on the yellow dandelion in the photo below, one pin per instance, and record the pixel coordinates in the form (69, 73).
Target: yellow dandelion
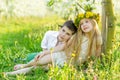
(81, 15)
(73, 54)
(89, 14)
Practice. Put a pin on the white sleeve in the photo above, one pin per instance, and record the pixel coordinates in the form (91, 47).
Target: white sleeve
(44, 42)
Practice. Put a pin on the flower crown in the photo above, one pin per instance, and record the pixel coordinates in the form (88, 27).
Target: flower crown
(89, 15)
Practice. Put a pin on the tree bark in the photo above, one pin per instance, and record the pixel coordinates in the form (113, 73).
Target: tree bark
(108, 25)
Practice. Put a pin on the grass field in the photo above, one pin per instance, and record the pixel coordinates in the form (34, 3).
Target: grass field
(20, 36)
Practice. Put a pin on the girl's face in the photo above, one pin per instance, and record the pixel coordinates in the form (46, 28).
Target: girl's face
(64, 34)
(86, 25)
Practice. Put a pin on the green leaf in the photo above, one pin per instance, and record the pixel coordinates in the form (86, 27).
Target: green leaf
(50, 3)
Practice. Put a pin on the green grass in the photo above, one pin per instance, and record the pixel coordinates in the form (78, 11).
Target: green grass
(20, 36)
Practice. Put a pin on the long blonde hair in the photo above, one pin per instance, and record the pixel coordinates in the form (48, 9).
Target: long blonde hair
(95, 40)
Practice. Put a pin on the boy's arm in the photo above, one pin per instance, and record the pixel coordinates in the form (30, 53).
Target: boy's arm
(58, 48)
(44, 49)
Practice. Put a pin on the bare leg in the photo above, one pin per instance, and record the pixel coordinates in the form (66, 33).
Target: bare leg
(26, 70)
(42, 61)
(21, 71)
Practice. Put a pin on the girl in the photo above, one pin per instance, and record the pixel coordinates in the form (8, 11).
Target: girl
(86, 42)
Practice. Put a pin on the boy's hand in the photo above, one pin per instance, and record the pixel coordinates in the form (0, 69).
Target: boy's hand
(37, 57)
(60, 46)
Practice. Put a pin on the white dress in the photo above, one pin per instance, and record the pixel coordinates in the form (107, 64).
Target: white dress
(84, 48)
(59, 58)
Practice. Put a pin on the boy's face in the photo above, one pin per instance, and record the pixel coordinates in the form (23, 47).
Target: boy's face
(64, 34)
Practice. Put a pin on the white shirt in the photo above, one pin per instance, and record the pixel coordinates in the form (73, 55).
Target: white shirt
(49, 40)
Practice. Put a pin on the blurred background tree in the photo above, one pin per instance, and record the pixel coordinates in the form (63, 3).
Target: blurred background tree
(71, 8)
(66, 9)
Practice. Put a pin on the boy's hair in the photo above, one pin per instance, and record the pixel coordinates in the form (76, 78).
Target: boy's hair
(69, 24)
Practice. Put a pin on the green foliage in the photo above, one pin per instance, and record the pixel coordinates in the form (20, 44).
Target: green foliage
(72, 7)
(89, 7)
(50, 3)
(20, 36)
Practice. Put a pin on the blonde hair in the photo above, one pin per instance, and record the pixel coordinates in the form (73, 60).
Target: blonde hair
(95, 40)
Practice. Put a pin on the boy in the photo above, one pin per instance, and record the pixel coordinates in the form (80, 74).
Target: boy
(54, 42)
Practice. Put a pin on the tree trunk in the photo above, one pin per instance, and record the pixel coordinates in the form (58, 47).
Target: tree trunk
(108, 25)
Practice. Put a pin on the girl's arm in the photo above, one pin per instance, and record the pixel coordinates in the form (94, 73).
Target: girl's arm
(98, 51)
(99, 45)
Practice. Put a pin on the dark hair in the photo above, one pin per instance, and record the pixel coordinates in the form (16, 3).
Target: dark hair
(69, 24)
